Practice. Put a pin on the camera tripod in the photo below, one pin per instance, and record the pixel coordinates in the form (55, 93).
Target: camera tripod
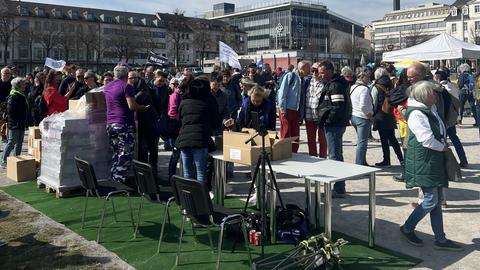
(262, 162)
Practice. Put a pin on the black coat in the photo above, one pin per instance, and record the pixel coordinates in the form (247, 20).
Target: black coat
(382, 120)
(17, 111)
(199, 117)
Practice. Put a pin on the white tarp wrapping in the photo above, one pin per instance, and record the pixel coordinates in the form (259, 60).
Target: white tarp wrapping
(441, 47)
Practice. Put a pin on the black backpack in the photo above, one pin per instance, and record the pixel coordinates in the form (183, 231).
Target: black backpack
(40, 109)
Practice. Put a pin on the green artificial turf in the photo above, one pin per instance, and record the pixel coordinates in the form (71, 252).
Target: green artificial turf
(141, 252)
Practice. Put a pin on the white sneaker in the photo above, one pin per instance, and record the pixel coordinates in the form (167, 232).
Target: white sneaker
(211, 195)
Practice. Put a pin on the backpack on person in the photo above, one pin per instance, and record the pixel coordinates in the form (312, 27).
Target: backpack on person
(386, 107)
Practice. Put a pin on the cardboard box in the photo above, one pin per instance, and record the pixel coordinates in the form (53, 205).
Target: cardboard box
(37, 154)
(21, 168)
(37, 143)
(34, 133)
(96, 100)
(235, 150)
(76, 104)
(279, 148)
(31, 151)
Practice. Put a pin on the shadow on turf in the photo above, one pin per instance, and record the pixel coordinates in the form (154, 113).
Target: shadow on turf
(43, 255)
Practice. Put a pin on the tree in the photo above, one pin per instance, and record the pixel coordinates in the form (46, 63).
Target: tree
(414, 36)
(7, 28)
(475, 34)
(203, 40)
(26, 36)
(66, 40)
(122, 44)
(87, 39)
(48, 40)
(99, 46)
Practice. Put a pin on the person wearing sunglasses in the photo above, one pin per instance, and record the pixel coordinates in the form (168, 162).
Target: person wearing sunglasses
(75, 88)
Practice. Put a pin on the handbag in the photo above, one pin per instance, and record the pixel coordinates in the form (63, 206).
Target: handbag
(452, 168)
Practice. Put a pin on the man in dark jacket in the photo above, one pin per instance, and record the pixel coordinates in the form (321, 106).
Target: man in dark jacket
(160, 93)
(17, 111)
(335, 113)
(5, 83)
(222, 101)
(68, 79)
(147, 139)
(77, 85)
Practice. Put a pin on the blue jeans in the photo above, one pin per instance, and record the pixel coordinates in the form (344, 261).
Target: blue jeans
(14, 142)
(335, 150)
(362, 126)
(477, 109)
(172, 164)
(468, 97)
(197, 156)
(452, 134)
(431, 204)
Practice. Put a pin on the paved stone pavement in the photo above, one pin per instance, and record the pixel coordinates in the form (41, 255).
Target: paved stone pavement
(350, 215)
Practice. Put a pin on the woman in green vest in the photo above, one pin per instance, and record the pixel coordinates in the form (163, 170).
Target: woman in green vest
(425, 155)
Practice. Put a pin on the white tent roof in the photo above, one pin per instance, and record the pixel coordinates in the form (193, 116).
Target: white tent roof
(441, 47)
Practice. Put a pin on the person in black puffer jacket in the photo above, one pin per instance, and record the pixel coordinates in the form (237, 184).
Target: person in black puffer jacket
(17, 111)
(384, 121)
(200, 117)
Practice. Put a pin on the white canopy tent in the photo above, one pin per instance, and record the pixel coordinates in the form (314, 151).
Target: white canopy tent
(441, 47)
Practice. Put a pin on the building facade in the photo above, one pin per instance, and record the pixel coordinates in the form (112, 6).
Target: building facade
(97, 39)
(407, 27)
(306, 27)
(463, 21)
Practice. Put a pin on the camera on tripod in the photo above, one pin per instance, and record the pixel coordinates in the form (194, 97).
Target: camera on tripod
(258, 124)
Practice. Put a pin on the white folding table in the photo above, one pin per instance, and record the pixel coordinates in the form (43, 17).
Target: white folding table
(310, 169)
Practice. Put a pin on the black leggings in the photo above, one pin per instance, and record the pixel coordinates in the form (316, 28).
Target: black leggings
(387, 137)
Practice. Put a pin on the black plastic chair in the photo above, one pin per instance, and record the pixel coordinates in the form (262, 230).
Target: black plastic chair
(149, 189)
(193, 199)
(105, 189)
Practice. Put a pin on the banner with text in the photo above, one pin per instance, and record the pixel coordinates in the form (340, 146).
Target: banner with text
(154, 58)
(228, 55)
(55, 64)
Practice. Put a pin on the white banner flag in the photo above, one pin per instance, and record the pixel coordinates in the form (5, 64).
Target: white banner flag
(54, 64)
(228, 55)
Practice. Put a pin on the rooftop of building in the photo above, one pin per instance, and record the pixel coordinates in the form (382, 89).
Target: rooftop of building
(310, 4)
(22, 8)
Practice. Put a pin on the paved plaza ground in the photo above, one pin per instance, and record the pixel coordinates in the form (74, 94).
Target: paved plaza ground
(350, 215)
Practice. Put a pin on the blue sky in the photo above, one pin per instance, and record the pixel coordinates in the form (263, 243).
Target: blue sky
(363, 11)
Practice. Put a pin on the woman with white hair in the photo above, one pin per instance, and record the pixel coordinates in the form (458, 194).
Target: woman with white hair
(424, 162)
(17, 111)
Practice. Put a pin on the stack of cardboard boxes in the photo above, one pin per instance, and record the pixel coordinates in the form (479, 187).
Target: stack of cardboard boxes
(78, 132)
(24, 167)
(35, 143)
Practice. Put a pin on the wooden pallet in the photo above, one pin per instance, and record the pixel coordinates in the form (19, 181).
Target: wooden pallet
(61, 193)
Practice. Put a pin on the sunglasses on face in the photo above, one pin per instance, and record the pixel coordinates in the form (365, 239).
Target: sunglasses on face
(315, 70)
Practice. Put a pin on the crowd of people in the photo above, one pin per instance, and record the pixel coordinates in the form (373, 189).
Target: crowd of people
(186, 111)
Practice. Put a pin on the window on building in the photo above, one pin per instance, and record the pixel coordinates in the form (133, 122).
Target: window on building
(23, 25)
(477, 8)
(454, 27)
(465, 39)
(453, 12)
(465, 26)
(23, 52)
(477, 25)
(38, 26)
(38, 53)
(465, 10)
